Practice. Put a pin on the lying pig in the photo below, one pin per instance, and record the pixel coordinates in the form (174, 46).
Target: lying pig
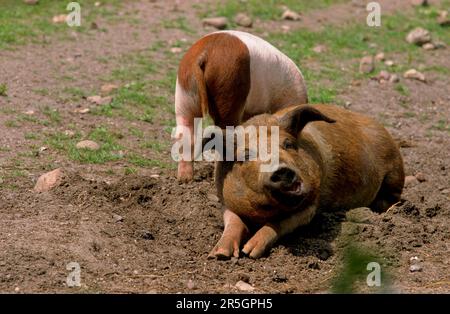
(232, 76)
(329, 158)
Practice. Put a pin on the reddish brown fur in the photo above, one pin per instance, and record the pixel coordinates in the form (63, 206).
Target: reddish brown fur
(351, 163)
(224, 62)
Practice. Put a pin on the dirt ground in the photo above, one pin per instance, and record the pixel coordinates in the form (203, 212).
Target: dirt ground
(147, 233)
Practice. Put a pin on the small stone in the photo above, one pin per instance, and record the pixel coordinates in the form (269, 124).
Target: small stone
(191, 285)
(419, 2)
(414, 260)
(394, 78)
(147, 235)
(428, 46)
(57, 19)
(117, 218)
(443, 19)
(82, 110)
(279, 278)
(347, 104)
(48, 181)
(42, 149)
(99, 100)
(420, 177)
(97, 3)
(213, 198)
(16, 289)
(418, 36)
(411, 181)
(29, 112)
(154, 176)
(320, 49)
(31, 2)
(413, 74)
(380, 56)
(384, 75)
(88, 144)
(244, 20)
(108, 88)
(217, 22)
(389, 63)
(243, 286)
(415, 268)
(366, 65)
(290, 15)
(176, 50)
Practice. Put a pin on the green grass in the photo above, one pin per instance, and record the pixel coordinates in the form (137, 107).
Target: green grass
(402, 89)
(180, 23)
(3, 90)
(52, 114)
(266, 9)
(106, 139)
(21, 23)
(11, 124)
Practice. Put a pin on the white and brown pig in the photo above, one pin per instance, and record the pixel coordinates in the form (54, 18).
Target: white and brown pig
(232, 76)
(329, 158)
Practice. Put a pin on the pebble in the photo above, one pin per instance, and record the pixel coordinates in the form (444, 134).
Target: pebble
(384, 75)
(57, 19)
(320, 49)
(244, 20)
(117, 218)
(420, 177)
(413, 74)
(443, 19)
(108, 88)
(418, 36)
(176, 50)
(99, 100)
(290, 15)
(428, 46)
(191, 285)
(394, 78)
(216, 22)
(213, 198)
(411, 181)
(82, 110)
(366, 65)
(380, 56)
(48, 180)
(415, 268)
(389, 63)
(88, 144)
(243, 286)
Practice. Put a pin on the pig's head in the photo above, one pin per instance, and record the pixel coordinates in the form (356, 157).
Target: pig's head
(291, 185)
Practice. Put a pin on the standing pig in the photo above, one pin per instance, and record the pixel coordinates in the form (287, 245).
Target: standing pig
(232, 76)
(342, 160)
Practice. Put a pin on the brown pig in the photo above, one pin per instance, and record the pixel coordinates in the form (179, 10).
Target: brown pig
(329, 158)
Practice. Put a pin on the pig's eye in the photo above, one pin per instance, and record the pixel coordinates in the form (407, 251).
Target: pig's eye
(289, 144)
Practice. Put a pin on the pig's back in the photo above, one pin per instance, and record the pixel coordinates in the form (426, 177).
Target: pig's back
(356, 153)
(276, 81)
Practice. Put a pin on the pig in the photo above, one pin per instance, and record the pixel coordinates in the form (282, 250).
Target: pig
(231, 76)
(329, 158)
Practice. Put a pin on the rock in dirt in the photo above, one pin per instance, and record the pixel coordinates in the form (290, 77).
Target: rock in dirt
(176, 50)
(31, 2)
(49, 180)
(418, 36)
(243, 286)
(57, 19)
(417, 3)
(108, 88)
(243, 19)
(380, 56)
(410, 181)
(82, 110)
(191, 285)
(415, 268)
(220, 22)
(413, 74)
(429, 46)
(99, 100)
(443, 19)
(290, 15)
(320, 49)
(420, 176)
(389, 63)
(117, 218)
(394, 78)
(384, 75)
(88, 144)
(366, 65)
(213, 198)
(361, 215)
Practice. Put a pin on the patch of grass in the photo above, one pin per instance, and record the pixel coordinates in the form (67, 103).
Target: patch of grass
(107, 140)
(409, 114)
(21, 22)
(136, 132)
(41, 91)
(33, 119)
(31, 136)
(75, 93)
(52, 114)
(267, 10)
(144, 162)
(12, 124)
(402, 89)
(3, 90)
(154, 146)
(130, 170)
(180, 23)
(442, 125)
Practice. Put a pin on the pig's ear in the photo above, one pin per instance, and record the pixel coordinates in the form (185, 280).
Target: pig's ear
(295, 120)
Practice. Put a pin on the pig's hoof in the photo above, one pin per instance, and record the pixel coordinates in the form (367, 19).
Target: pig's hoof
(224, 250)
(261, 242)
(185, 172)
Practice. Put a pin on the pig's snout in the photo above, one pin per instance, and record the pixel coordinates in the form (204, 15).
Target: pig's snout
(284, 180)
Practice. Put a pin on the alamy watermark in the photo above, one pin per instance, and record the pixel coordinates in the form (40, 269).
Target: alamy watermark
(74, 277)
(374, 17)
(374, 277)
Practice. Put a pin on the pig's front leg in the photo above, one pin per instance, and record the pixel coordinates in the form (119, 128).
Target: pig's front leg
(234, 233)
(266, 237)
